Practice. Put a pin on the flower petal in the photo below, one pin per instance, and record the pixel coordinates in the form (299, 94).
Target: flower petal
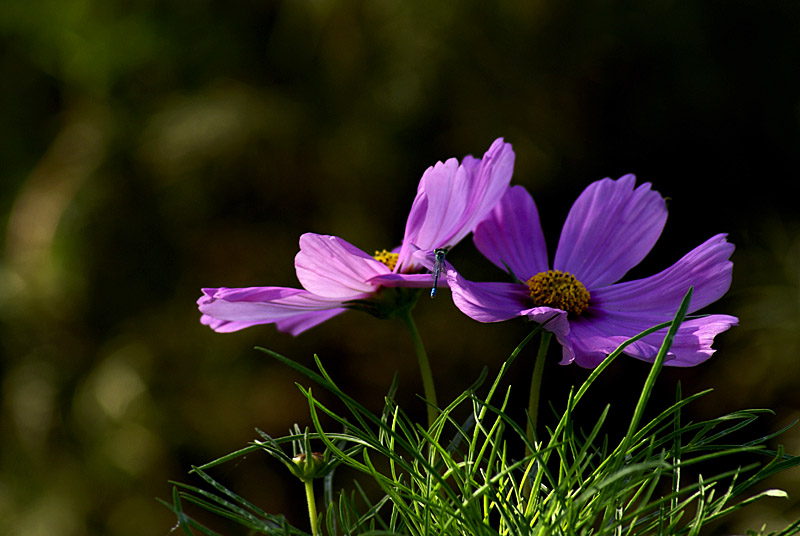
(331, 267)
(232, 309)
(452, 199)
(298, 324)
(224, 326)
(692, 344)
(593, 341)
(555, 321)
(609, 230)
(488, 183)
(438, 206)
(487, 302)
(511, 236)
(706, 268)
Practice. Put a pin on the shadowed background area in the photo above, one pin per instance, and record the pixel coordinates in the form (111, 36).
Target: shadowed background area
(150, 149)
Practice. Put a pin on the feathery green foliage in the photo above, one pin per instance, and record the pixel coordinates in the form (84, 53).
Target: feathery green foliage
(470, 476)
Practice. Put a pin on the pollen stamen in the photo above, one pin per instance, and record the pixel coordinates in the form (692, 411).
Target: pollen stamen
(560, 290)
(386, 257)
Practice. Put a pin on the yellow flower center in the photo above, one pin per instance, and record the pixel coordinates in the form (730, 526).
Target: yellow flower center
(386, 257)
(560, 290)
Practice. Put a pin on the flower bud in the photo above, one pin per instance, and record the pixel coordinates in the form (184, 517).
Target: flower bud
(307, 466)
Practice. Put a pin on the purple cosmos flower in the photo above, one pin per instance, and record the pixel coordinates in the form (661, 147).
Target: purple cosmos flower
(451, 199)
(609, 230)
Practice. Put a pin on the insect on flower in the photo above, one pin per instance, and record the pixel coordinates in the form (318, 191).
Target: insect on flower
(438, 265)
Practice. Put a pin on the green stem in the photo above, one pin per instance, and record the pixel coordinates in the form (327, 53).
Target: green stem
(312, 506)
(536, 384)
(424, 366)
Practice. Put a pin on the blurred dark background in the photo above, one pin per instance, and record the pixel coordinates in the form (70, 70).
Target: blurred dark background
(149, 149)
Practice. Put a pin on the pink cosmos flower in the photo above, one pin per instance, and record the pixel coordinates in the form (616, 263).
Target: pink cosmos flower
(451, 200)
(609, 230)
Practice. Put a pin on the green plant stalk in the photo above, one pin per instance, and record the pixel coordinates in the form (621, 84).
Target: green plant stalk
(424, 366)
(536, 386)
(312, 506)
